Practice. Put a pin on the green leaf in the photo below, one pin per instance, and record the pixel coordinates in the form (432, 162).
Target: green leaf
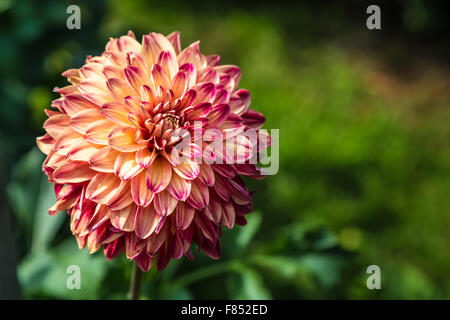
(23, 190)
(286, 267)
(247, 232)
(46, 272)
(45, 226)
(325, 268)
(250, 284)
(31, 196)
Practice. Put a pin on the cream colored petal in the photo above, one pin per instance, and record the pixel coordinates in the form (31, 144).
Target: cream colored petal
(142, 196)
(82, 119)
(153, 44)
(126, 166)
(102, 187)
(56, 124)
(122, 139)
(73, 172)
(159, 175)
(104, 159)
(124, 219)
(98, 131)
(146, 221)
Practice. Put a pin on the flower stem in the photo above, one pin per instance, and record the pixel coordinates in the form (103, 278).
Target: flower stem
(135, 285)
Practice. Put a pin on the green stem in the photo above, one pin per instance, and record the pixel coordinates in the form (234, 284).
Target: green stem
(135, 285)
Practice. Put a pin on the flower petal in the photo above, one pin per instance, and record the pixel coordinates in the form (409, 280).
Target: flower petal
(98, 131)
(168, 63)
(240, 101)
(111, 71)
(82, 151)
(199, 196)
(205, 226)
(56, 124)
(218, 114)
(184, 216)
(72, 75)
(144, 261)
(179, 84)
(122, 197)
(67, 198)
(153, 44)
(215, 207)
(122, 139)
(232, 71)
(253, 119)
(222, 187)
(224, 170)
(81, 120)
(95, 238)
(137, 60)
(179, 188)
(205, 92)
(67, 89)
(207, 175)
(174, 39)
(191, 73)
(146, 221)
(73, 172)
(102, 187)
(165, 204)
(187, 170)
(66, 141)
(145, 157)
(45, 143)
(239, 149)
(74, 103)
(209, 75)
(119, 88)
(228, 216)
(221, 96)
(104, 159)
(135, 77)
(193, 55)
(116, 112)
(159, 78)
(190, 151)
(159, 175)
(213, 60)
(124, 43)
(124, 219)
(126, 166)
(199, 111)
(141, 195)
(95, 91)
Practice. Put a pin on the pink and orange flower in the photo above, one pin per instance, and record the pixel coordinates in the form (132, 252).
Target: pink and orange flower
(129, 148)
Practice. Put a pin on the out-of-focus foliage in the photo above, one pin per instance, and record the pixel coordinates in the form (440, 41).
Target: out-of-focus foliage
(364, 147)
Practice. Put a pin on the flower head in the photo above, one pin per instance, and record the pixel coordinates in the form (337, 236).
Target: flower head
(146, 148)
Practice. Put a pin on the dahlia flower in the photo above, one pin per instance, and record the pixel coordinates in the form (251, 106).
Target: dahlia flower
(131, 148)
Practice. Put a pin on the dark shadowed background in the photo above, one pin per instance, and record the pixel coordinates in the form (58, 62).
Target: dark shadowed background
(364, 148)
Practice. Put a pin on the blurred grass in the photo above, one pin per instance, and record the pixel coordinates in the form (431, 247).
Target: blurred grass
(364, 155)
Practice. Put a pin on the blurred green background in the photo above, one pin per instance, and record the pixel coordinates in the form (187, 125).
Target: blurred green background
(364, 148)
